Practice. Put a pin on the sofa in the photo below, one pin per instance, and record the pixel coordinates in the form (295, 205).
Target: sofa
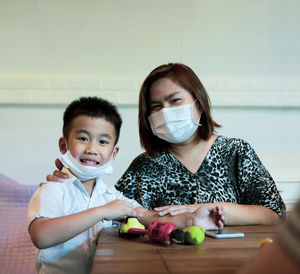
(17, 253)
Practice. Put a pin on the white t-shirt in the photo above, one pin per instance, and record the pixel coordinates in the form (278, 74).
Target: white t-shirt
(60, 199)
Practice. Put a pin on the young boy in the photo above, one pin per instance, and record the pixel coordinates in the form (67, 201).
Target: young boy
(65, 219)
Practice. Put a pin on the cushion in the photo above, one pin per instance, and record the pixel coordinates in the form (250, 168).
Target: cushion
(17, 253)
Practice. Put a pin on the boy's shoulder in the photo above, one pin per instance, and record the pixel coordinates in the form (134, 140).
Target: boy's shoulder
(56, 188)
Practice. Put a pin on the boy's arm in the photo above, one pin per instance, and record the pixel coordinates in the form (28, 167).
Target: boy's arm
(208, 217)
(47, 232)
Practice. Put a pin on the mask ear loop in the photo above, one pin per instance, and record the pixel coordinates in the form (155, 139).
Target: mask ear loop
(199, 124)
(111, 156)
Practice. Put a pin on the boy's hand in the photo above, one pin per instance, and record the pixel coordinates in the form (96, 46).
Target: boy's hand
(118, 209)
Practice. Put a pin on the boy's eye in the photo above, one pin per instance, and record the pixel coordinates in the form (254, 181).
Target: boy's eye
(83, 139)
(103, 142)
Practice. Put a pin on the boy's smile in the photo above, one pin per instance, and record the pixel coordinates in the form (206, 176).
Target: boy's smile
(91, 141)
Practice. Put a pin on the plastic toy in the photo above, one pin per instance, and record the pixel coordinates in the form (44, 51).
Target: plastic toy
(164, 233)
(131, 222)
(194, 235)
(265, 241)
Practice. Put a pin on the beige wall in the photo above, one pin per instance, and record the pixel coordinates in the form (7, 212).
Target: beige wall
(245, 52)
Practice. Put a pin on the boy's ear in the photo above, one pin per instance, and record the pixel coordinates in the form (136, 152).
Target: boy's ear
(115, 152)
(62, 144)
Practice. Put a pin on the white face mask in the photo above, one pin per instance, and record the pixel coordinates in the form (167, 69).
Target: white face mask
(84, 173)
(175, 124)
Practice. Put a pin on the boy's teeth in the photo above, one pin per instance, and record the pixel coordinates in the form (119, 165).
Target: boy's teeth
(90, 162)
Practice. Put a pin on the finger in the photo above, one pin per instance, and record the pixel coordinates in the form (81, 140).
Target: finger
(220, 224)
(161, 208)
(53, 178)
(60, 174)
(132, 212)
(163, 213)
(58, 164)
(222, 210)
(179, 211)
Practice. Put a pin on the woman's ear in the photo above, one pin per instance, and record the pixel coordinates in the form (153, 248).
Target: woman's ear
(115, 152)
(62, 144)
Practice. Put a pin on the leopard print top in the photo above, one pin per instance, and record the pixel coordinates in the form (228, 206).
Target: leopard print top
(230, 172)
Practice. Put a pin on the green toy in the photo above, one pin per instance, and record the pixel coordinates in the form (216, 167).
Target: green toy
(194, 235)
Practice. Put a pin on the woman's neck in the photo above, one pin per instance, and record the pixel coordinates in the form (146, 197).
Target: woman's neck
(192, 153)
(186, 147)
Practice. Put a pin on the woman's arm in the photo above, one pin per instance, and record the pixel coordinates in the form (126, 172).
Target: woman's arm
(208, 216)
(236, 214)
(47, 232)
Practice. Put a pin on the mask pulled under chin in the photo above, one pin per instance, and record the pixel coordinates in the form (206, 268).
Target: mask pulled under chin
(84, 173)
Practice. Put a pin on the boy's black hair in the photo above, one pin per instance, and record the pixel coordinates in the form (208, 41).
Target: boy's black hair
(92, 107)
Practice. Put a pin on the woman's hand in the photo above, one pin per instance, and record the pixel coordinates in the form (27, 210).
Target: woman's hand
(209, 216)
(176, 209)
(57, 175)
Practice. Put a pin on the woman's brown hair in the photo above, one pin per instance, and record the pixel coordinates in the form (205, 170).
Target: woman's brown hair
(187, 79)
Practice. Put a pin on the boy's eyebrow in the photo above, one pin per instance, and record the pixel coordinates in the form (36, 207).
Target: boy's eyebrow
(100, 135)
(166, 98)
(105, 135)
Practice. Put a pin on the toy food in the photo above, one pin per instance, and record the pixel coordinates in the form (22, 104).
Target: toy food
(194, 235)
(164, 233)
(265, 241)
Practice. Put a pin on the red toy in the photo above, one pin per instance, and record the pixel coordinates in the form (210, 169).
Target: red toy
(157, 232)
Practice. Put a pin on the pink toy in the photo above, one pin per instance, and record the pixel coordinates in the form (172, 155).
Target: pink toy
(157, 232)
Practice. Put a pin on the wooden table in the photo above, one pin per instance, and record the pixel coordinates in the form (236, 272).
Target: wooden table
(138, 255)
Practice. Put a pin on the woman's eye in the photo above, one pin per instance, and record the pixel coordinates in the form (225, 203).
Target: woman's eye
(155, 107)
(175, 100)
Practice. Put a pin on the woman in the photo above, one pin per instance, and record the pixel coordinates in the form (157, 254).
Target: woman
(186, 164)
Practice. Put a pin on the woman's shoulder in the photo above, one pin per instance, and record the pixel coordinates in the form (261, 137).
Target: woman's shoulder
(145, 158)
(231, 141)
(227, 145)
(143, 162)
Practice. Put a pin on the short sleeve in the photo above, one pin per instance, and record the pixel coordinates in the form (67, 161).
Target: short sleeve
(46, 202)
(256, 184)
(136, 182)
(119, 195)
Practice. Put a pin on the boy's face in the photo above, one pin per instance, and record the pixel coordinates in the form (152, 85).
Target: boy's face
(91, 141)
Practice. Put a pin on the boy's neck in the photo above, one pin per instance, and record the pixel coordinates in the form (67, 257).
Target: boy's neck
(89, 186)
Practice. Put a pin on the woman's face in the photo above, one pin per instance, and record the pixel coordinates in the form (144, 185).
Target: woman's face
(164, 93)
